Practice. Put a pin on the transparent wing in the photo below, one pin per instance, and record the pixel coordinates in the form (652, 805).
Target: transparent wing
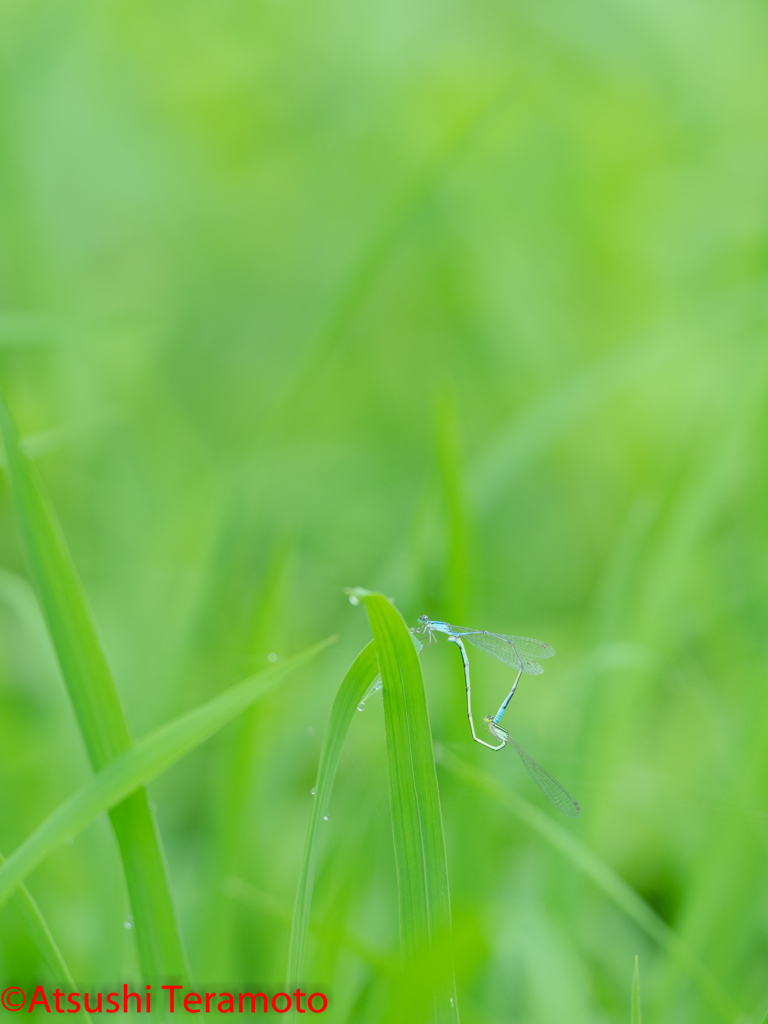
(551, 788)
(496, 730)
(529, 647)
(517, 651)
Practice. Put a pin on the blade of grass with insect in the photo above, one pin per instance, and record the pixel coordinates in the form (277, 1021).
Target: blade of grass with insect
(150, 756)
(361, 674)
(97, 708)
(417, 827)
(604, 877)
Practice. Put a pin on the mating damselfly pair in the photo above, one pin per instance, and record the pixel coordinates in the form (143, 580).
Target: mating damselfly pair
(521, 653)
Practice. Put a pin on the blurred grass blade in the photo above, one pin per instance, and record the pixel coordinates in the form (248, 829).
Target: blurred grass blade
(97, 708)
(361, 674)
(550, 417)
(267, 903)
(637, 1013)
(451, 477)
(41, 935)
(604, 877)
(245, 641)
(417, 826)
(377, 249)
(150, 756)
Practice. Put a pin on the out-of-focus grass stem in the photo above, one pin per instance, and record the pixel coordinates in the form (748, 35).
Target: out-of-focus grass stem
(604, 877)
(637, 1011)
(97, 708)
(146, 759)
(41, 934)
(361, 674)
(450, 471)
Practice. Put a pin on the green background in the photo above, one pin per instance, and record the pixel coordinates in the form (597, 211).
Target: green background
(464, 302)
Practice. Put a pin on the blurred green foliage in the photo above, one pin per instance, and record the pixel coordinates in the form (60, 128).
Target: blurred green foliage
(465, 303)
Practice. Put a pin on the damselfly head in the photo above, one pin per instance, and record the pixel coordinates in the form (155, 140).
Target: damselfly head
(423, 618)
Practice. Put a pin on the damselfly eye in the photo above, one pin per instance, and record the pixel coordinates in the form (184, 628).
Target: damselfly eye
(423, 618)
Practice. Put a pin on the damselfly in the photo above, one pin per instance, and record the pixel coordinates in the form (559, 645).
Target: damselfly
(519, 652)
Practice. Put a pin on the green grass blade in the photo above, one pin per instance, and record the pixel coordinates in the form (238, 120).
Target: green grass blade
(361, 674)
(150, 756)
(40, 933)
(417, 827)
(86, 673)
(97, 708)
(637, 1013)
(604, 877)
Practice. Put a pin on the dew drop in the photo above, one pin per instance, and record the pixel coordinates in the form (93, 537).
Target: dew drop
(325, 817)
(313, 791)
(353, 599)
(361, 706)
(272, 656)
(128, 924)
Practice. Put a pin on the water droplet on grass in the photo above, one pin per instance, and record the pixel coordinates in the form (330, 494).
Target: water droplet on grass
(325, 817)
(353, 599)
(313, 791)
(128, 924)
(272, 656)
